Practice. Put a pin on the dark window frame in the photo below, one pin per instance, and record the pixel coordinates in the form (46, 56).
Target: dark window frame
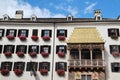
(35, 50)
(43, 33)
(21, 48)
(35, 32)
(7, 48)
(62, 50)
(115, 67)
(61, 66)
(32, 66)
(23, 32)
(42, 48)
(11, 33)
(113, 31)
(6, 65)
(2, 32)
(19, 65)
(44, 65)
(62, 34)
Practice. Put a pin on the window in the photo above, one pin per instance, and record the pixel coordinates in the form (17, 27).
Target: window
(44, 65)
(113, 33)
(9, 48)
(31, 66)
(114, 50)
(0, 48)
(11, 32)
(19, 65)
(35, 32)
(62, 32)
(6, 65)
(45, 48)
(46, 33)
(23, 32)
(21, 48)
(61, 48)
(1, 32)
(86, 77)
(115, 67)
(33, 48)
(74, 54)
(61, 66)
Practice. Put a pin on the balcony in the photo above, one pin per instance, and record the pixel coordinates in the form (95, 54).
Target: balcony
(86, 63)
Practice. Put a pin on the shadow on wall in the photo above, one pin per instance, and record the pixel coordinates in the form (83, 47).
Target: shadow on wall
(107, 65)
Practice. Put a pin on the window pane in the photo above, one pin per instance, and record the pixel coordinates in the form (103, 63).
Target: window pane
(83, 77)
(46, 33)
(11, 32)
(89, 77)
(23, 33)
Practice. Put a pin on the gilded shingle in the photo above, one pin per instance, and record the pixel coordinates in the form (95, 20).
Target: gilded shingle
(85, 35)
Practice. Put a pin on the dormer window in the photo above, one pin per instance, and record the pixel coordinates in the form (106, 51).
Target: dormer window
(97, 15)
(69, 18)
(33, 18)
(113, 33)
(5, 17)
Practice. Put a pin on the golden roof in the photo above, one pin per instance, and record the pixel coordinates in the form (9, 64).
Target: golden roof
(85, 35)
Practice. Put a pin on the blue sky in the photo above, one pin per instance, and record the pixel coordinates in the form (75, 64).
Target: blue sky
(61, 8)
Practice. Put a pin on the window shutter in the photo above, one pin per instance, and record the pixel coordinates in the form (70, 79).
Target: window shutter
(7, 33)
(3, 32)
(117, 32)
(27, 33)
(15, 65)
(65, 33)
(65, 66)
(110, 48)
(58, 31)
(57, 49)
(40, 65)
(37, 49)
(48, 66)
(41, 49)
(109, 32)
(12, 48)
(15, 31)
(25, 48)
(65, 49)
(50, 33)
(35, 32)
(0, 48)
(30, 49)
(42, 33)
(5, 48)
(119, 48)
(19, 32)
(28, 66)
(56, 66)
(49, 47)
(17, 48)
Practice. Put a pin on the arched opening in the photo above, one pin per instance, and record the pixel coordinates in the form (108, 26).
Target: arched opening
(85, 54)
(97, 54)
(74, 54)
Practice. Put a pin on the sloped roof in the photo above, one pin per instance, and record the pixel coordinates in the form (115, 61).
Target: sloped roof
(85, 35)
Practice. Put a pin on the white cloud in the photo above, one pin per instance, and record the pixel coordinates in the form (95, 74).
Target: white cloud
(10, 6)
(89, 8)
(68, 9)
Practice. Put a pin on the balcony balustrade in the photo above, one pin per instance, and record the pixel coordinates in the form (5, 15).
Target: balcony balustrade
(86, 63)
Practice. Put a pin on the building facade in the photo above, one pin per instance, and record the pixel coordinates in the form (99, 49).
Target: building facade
(59, 48)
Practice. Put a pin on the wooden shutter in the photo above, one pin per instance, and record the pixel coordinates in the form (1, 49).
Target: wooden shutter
(65, 33)
(42, 33)
(50, 34)
(0, 48)
(65, 66)
(109, 32)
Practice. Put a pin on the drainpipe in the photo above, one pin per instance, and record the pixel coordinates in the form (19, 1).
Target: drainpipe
(53, 50)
